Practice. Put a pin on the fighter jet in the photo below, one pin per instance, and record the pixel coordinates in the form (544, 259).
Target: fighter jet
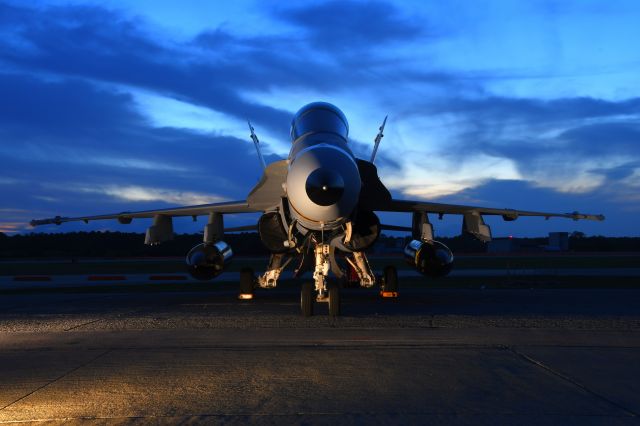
(318, 207)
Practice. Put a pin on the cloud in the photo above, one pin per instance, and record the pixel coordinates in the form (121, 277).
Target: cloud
(67, 108)
(110, 159)
(110, 133)
(336, 26)
(11, 227)
(494, 108)
(571, 145)
(212, 71)
(435, 180)
(139, 193)
(101, 45)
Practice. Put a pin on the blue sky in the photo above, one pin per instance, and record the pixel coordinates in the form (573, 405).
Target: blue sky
(108, 106)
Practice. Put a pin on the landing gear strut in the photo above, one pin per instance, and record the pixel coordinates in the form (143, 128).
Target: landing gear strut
(324, 293)
(277, 263)
(323, 264)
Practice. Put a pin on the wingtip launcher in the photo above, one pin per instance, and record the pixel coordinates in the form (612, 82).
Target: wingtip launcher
(578, 216)
(52, 221)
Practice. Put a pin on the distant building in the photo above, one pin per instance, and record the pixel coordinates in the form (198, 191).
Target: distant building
(503, 245)
(388, 245)
(558, 241)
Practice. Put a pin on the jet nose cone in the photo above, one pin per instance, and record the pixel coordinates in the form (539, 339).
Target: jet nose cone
(324, 187)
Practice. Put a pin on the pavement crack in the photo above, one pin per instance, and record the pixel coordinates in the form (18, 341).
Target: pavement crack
(568, 379)
(83, 324)
(57, 378)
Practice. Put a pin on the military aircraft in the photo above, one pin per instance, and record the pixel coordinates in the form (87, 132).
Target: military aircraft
(318, 206)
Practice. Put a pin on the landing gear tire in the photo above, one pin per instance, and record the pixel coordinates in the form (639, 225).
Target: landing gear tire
(306, 299)
(247, 284)
(334, 301)
(390, 279)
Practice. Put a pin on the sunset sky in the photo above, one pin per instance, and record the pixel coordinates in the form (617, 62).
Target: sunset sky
(117, 105)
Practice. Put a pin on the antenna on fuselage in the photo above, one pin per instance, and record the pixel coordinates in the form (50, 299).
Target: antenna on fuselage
(379, 137)
(256, 142)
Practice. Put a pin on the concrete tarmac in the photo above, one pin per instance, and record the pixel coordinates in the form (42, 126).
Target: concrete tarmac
(139, 355)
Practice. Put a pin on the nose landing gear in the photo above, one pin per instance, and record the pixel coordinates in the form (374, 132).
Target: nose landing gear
(324, 293)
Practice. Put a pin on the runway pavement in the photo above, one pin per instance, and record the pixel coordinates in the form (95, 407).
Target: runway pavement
(436, 356)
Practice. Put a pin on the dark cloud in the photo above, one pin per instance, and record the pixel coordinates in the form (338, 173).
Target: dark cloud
(619, 173)
(72, 114)
(102, 45)
(502, 109)
(363, 150)
(62, 109)
(604, 138)
(68, 138)
(591, 141)
(336, 26)
(584, 130)
(93, 43)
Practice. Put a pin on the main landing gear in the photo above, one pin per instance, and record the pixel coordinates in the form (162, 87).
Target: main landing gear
(320, 290)
(247, 284)
(389, 285)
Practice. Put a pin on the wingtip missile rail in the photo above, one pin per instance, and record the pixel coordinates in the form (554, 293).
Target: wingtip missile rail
(54, 220)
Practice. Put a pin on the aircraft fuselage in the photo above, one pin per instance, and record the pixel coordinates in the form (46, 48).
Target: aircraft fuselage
(323, 181)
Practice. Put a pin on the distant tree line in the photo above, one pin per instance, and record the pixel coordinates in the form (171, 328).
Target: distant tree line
(121, 244)
(115, 244)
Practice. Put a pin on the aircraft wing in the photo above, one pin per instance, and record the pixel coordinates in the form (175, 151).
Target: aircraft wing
(507, 214)
(126, 217)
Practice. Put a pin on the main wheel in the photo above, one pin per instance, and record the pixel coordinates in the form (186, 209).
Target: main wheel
(334, 301)
(247, 284)
(390, 288)
(306, 299)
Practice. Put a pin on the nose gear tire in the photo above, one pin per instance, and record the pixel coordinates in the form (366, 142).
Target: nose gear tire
(334, 301)
(306, 299)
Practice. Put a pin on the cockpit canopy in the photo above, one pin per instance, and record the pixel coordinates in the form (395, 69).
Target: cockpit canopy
(319, 117)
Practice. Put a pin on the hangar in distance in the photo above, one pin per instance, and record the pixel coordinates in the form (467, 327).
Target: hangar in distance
(319, 209)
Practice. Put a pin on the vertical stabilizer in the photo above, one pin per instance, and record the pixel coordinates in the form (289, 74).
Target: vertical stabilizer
(256, 142)
(379, 137)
